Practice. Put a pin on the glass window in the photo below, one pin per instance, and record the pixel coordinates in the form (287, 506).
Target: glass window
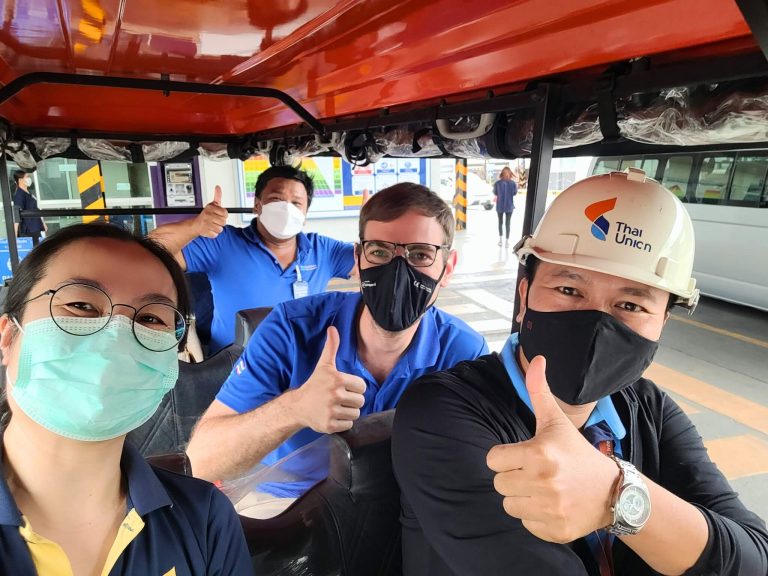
(57, 179)
(748, 179)
(123, 180)
(631, 163)
(650, 165)
(713, 179)
(603, 166)
(677, 174)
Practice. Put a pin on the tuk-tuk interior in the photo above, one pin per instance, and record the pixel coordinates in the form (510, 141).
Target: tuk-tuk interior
(138, 81)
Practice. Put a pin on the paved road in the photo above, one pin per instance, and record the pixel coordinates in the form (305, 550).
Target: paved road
(714, 363)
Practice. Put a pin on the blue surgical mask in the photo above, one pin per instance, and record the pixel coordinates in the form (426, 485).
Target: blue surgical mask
(93, 387)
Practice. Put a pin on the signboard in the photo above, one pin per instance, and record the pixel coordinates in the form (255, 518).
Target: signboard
(24, 246)
(325, 173)
(339, 186)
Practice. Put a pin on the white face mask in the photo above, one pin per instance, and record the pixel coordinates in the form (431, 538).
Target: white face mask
(28, 181)
(282, 219)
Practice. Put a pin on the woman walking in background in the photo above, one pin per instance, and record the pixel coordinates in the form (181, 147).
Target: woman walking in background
(505, 189)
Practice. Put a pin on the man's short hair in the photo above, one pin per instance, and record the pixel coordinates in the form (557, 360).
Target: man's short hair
(18, 175)
(394, 201)
(288, 172)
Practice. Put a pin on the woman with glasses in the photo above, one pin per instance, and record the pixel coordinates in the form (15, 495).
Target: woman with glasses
(92, 324)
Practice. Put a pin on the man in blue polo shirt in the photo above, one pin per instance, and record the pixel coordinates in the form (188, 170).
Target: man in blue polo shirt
(316, 365)
(266, 263)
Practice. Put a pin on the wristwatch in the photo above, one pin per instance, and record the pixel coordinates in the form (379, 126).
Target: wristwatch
(631, 505)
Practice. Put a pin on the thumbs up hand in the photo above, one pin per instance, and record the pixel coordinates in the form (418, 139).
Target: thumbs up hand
(211, 221)
(557, 483)
(330, 401)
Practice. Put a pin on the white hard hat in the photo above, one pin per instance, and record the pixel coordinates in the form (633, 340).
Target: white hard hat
(622, 224)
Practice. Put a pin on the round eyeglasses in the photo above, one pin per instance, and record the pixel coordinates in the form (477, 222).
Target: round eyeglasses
(160, 326)
(417, 254)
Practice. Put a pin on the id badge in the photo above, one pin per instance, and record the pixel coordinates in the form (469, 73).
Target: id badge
(300, 289)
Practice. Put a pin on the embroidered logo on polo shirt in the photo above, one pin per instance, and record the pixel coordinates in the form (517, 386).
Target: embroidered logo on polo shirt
(240, 367)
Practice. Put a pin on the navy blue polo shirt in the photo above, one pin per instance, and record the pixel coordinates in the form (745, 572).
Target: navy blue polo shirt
(28, 226)
(244, 273)
(175, 525)
(283, 352)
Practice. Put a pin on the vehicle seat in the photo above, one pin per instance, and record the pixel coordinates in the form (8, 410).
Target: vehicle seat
(246, 322)
(171, 425)
(174, 462)
(348, 524)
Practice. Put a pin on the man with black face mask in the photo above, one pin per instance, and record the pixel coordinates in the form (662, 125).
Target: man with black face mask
(317, 364)
(556, 456)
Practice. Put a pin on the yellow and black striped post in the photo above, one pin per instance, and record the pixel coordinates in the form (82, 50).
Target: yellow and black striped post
(90, 185)
(460, 199)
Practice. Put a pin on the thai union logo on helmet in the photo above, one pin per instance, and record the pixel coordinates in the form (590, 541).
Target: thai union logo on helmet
(600, 224)
(638, 230)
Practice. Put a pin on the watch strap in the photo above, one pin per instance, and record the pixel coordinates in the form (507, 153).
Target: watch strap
(628, 476)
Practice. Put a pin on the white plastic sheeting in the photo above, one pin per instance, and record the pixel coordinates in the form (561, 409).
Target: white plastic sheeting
(708, 115)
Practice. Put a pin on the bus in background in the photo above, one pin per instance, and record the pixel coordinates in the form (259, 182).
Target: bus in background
(726, 196)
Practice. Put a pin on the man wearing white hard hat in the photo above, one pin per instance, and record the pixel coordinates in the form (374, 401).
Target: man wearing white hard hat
(556, 456)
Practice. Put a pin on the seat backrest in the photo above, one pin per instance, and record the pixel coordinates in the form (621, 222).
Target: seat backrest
(348, 524)
(174, 462)
(171, 425)
(246, 322)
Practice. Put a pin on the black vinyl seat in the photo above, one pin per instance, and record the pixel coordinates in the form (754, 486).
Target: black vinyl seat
(348, 524)
(170, 427)
(173, 462)
(246, 322)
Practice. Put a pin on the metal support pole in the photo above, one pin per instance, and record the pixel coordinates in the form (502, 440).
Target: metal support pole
(755, 13)
(10, 231)
(460, 198)
(547, 104)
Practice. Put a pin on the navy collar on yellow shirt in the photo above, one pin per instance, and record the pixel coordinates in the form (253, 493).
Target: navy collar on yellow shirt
(250, 232)
(144, 488)
(145, 491)
(604, 410)
(423, 351)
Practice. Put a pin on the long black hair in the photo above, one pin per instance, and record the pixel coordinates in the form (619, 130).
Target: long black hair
(32, 269)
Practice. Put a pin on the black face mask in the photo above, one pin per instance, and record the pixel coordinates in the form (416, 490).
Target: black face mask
(396, 294)
(589, 353)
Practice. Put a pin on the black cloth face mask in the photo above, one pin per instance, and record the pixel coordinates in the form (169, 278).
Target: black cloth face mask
(396, 294)
(589, 353)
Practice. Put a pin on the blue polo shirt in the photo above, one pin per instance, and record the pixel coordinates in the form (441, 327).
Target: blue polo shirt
(244, 273)
(283, 352)
(175, 526)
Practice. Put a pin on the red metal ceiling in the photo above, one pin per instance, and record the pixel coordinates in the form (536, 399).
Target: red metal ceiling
(336, 58)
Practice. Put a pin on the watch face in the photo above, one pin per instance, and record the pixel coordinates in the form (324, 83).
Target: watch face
(634, 506)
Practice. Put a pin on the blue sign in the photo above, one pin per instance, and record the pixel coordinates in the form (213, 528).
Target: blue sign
(23, 245)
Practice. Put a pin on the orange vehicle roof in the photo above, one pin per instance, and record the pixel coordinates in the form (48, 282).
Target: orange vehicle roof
(335, 58)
